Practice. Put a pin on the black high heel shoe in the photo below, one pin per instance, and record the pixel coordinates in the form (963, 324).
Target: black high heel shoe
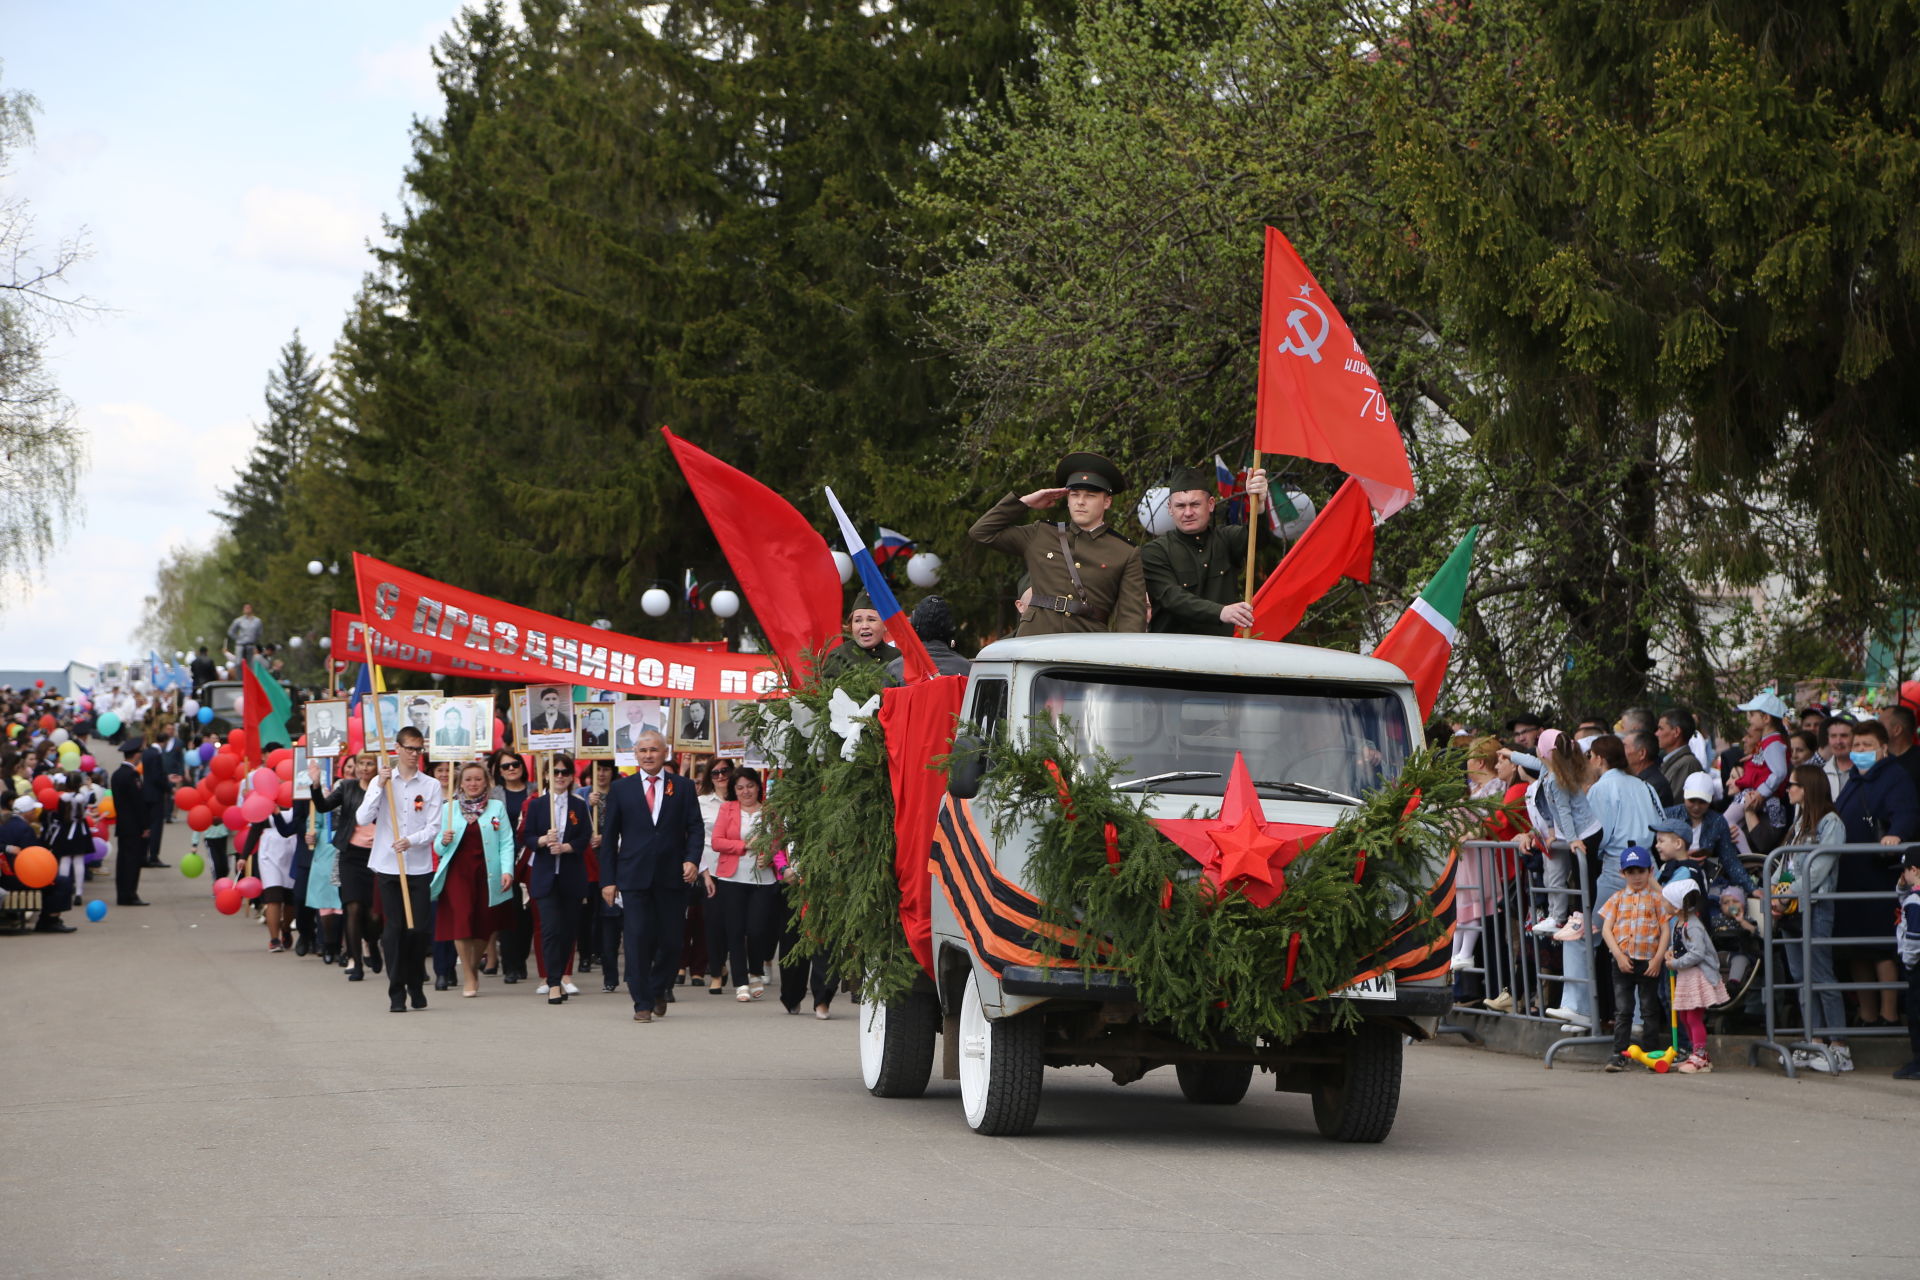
(558, 997)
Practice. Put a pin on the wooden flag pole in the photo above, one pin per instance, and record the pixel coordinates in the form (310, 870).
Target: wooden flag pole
(393, 805)
(1253, 534)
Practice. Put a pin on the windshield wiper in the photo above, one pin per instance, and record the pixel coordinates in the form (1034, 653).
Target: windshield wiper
(1306, 788)
(1178, 775)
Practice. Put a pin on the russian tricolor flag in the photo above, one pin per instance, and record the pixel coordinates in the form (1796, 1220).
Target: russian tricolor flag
(890, 544)
(918, 665)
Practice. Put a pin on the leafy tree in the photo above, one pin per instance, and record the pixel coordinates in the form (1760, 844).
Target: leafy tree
(41, 452)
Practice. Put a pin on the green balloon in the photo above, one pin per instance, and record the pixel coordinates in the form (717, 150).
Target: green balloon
(191, 865)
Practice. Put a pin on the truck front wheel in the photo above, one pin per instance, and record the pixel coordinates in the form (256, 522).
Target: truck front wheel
(1215, 1084)
(896, 1045)
(1356, 1101)
(1001, 1064)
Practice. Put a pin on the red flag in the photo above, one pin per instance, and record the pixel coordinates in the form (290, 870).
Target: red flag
(917, 720)
(1338, 544)
(253, 707)
(1318, 396)
(783, 565)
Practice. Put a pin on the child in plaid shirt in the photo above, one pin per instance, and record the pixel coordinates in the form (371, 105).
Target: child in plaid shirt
(1636, 934)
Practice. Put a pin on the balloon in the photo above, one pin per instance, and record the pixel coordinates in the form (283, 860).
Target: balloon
(284, 770)
(186, 798)
(257, 807)
(221, 765)
(206, 752)
(190, 706)
(39, 684)
(235, 818)
(60, 737)
(47, 722)
(199, 818)
(226, 792)
(278, 754)
(266, 780)
(249, 887)
(191, 865)
(284, 796)
(100, 849)
(226, 901)
(88, 763)
(238, 740)
(107, 807)
(204, 715)
(108, 724)
(224, 882)
(97, 910)
(35, 867)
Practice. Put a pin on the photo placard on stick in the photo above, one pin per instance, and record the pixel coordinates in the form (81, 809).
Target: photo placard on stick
(631, 718)
(389, 719)
(462, 729)
(549, 709)
(730, 740)
(517, 720)
(593, 726)
(693, 725)
(326, 728)
(421, 708)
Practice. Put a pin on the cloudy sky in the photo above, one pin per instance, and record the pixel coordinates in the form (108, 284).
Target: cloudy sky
(229, 162)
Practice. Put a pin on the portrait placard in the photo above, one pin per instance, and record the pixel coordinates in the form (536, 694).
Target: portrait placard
(693, 725)
(631, 718)
(549, 717)
(593, 726)
(462, 729)
(326, 729)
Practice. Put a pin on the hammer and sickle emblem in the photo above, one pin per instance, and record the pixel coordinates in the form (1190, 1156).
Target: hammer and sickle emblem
(1303, 343)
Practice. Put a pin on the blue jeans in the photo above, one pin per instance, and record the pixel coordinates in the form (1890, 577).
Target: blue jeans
(1832, 1010)
(1576, 958)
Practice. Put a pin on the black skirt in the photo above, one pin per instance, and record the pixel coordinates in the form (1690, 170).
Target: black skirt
(356, 881)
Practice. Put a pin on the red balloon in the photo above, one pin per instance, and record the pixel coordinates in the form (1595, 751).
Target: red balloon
(186, 798)
(222, 764)
(35, 867)
(1910, 695)
(39, 684)
(226, 792)
(277, 755)
(226, 901)
(47, 723)
(249, 887)
(285, 795)
(224, 882)
(235, 819)
(199, 818)
(238, 740)
(284, 770)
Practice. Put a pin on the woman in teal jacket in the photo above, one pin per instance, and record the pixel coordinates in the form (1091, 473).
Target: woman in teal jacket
(475, 875)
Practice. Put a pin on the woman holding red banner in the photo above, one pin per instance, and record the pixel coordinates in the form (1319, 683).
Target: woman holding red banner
(475, 845)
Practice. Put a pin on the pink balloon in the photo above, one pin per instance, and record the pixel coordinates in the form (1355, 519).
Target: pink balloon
(224, 882)
(235, 818)
(87, 764)
(257, 807)
(266, 780)
(249, 887)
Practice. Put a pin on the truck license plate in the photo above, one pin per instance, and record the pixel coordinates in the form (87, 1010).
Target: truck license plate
(1379, 987)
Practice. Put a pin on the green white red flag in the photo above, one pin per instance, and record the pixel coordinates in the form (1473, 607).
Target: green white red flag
(1421, 643)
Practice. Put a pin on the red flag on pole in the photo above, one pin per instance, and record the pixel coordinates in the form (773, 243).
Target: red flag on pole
(1318, 396)
(783, 565)
(1338, 544)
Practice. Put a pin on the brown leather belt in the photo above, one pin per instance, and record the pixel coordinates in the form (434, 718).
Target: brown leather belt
(1067, 605)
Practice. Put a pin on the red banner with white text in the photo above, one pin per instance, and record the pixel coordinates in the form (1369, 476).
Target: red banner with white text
(351, 637)
(522, 644)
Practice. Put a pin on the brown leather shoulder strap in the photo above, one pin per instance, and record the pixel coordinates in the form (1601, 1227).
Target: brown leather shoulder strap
(1073, 570)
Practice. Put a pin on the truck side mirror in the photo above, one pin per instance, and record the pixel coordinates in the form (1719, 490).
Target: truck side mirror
(968, 766)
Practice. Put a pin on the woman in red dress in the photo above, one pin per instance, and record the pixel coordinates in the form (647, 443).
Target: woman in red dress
(475, 875)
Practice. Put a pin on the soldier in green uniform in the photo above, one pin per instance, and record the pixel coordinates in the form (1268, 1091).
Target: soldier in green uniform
(1085, 576)
(867, 641)
(1195, 574)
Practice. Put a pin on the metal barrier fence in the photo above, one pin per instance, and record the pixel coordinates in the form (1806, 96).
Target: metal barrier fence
(1499, 948)
(1812, 943)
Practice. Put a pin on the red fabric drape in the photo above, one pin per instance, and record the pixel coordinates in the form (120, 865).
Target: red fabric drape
(918, 721)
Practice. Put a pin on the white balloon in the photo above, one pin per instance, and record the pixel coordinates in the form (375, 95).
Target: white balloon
(1154, 516)
(725, 603)
(654, 602)
(923, 570)
(60, 735)
(843, 564)
(188, 707)
(294, 642)
(315, 568)
(326, 642)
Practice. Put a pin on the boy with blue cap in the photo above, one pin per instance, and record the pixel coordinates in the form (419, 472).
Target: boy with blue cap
(1636, 936)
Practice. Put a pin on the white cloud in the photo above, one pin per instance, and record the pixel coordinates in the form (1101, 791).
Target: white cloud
(403, 70)
(286, 227)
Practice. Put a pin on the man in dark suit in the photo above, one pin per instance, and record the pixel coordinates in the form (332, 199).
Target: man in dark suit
(651, 839)
(157, 794)
(203, 671)
(130, 825)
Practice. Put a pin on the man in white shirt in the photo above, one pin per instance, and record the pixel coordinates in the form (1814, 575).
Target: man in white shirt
(1837, 760)
(417, 800)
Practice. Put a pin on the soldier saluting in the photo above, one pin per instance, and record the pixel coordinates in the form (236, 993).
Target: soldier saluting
(1194, 573)
(1085, 576)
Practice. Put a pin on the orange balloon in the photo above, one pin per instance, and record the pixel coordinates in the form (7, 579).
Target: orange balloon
(35, 867)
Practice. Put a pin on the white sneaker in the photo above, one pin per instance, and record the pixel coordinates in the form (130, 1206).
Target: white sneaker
(540, 990)
(1461, 961)
(1808, 1060)
(1570, 1015)
(1546, 924)
(1843, 1056)
(569, 988)
(1574, 1028)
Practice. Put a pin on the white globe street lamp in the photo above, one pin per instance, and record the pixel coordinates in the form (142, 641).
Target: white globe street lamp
(725, 603)
(655, 602)
(843, 565)
(923, 570)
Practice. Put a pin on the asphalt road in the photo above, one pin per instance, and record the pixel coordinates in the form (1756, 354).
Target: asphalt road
(178, 1102)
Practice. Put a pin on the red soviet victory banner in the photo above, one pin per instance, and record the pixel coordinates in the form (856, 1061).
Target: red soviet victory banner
(542, 649)
(1318, 397)
(351, 637)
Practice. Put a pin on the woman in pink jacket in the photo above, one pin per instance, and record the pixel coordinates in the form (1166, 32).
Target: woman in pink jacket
(743, 887)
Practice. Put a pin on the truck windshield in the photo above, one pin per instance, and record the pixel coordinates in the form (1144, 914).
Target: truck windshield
(1343, 738)
(225, 701)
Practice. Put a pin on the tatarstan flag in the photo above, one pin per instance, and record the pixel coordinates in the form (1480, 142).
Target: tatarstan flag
(264, 707)
(1422, 641)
